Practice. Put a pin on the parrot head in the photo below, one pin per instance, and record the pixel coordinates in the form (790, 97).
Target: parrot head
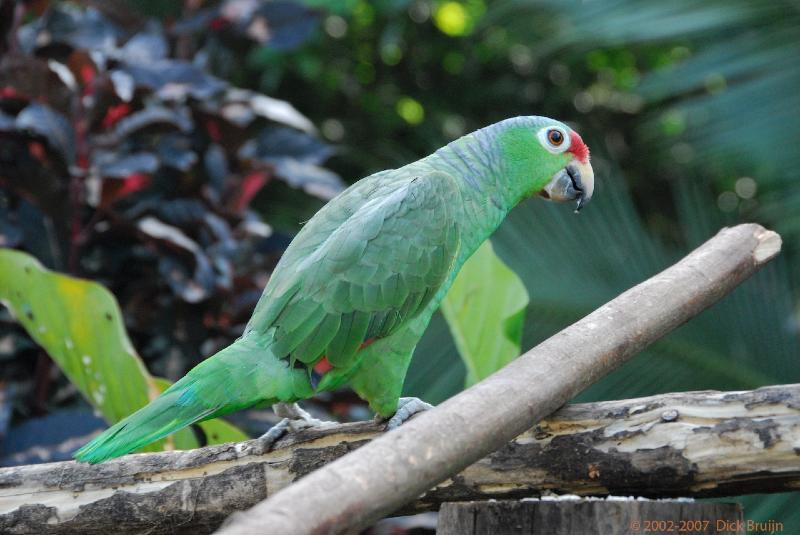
(574, 181)
(550, 158)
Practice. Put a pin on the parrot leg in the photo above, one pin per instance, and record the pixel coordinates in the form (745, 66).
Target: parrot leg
(406, 408)
(293, 411)
(294, 419)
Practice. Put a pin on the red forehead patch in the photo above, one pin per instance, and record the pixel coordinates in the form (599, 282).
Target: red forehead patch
(578, 147)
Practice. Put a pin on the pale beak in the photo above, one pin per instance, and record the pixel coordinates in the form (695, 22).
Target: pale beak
(574, 182)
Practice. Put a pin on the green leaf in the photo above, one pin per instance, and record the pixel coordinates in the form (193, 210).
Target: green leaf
(79, 323)
(218, 431)
(485, 309)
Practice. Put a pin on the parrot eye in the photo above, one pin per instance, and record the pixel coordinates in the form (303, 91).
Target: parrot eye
(554, 139)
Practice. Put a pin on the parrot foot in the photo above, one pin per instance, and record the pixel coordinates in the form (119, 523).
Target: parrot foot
(294, 419)
(406, 408)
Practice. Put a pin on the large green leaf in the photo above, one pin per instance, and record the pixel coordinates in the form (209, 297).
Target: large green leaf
(485, 309)
(79, 324)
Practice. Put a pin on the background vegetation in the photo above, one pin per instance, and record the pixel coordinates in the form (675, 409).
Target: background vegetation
(690, 109)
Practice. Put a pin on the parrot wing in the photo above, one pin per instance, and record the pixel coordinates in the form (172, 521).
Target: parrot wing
(368, 276)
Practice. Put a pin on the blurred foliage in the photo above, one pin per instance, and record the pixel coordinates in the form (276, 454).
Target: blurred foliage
(79, 324)
(485, 311)
(123, 160)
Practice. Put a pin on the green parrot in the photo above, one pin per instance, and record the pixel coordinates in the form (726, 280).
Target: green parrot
(359, 283)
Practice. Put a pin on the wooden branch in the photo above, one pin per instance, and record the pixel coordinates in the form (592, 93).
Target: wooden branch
(397, 467)
(698, 444)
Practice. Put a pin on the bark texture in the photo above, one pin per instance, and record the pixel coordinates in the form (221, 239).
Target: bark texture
(589, 517)
(399, 466)
(683, 444)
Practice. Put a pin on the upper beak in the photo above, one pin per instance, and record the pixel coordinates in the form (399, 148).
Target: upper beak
(574, 182)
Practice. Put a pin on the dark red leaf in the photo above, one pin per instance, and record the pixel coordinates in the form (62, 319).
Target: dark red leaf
(115, 113)
(154, 118)
(218, 24)
(133, 183)
(174, 80)
(114, 190)
(87, 73)
(251, 185)
(82, 66)
(42, 121)
(37, 150)
(212, 127)
(32, 78)
(9, 92)
(38, 7)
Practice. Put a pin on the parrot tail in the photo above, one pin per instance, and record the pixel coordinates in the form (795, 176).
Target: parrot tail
(241, 375)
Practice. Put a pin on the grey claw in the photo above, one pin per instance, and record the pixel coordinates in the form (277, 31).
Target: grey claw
(265, 442)
(295, 419)
(406, 408)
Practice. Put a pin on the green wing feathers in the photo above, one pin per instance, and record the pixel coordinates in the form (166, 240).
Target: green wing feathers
(378, 268)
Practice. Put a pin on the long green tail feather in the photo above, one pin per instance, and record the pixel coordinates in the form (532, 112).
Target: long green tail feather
(241, 375)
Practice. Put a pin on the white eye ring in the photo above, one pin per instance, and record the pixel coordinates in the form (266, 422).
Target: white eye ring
(546, 135)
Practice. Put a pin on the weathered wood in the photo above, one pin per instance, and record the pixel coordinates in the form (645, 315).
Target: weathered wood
(590, 517)
(681, 444)
(397, 467)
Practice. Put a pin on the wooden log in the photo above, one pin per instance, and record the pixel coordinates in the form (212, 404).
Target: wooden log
(681, 444)
(396, 468)
(590, 517)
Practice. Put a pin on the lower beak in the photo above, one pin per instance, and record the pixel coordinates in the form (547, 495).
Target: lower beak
(574, 182)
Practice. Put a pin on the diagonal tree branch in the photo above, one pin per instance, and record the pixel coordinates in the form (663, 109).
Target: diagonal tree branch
(394, 469)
